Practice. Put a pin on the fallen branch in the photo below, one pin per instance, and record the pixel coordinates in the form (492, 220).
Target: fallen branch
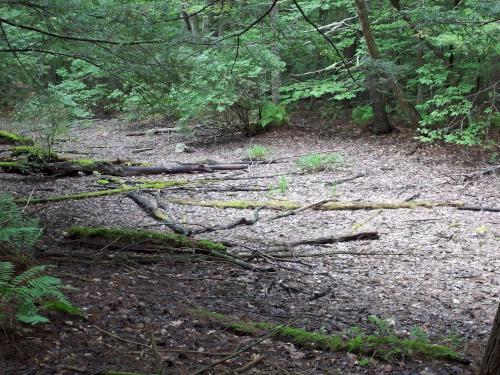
(157, 214)
(234, 224)
(152, 132)
(272, 333)
(103, 193)
(363, 236)
(328, 206)
(347, 179)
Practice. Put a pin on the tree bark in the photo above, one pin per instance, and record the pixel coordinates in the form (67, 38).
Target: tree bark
(491, 360)
(381, 123)
(275, 74)
(407, 107)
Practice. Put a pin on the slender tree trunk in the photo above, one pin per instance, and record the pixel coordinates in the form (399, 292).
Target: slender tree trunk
(407, 107)
(491, 360)
(381, 123)
(275, 74)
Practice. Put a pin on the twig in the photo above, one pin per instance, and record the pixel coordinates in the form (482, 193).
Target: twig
(249, 365)
(244, 349)
(121, 338)
(347, 179)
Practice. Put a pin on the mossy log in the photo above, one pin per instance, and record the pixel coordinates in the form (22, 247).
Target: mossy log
(75, 167)
(7, 137)
(102, 193)
(383, 346)
(161, 241)
(329, 206)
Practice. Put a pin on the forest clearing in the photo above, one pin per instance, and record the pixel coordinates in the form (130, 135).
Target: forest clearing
(259, 187)
(435, 268)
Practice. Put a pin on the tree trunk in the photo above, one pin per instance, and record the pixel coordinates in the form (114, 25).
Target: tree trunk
(491, 360)
(381, 123)
(407, 107)
(275, 74)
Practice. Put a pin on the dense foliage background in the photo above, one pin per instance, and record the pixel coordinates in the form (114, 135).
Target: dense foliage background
(248, 63)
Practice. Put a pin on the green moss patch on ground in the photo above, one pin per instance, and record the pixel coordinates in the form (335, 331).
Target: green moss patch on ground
(385, 345)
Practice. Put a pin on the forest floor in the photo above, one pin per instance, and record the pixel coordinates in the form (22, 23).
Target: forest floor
(437, 268)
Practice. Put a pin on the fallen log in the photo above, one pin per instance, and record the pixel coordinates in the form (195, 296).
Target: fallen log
(75, 167)
(162, 241)
(328, 206)
(157, 214)
(363, 236)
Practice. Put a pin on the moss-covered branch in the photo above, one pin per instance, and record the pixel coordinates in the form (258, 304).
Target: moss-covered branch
(385, 345)
(160, 240)
(102, 193)
(14, 138)
(329, 206)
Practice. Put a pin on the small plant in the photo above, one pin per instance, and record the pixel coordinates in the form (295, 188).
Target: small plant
(25, 296)
(283, 185)
(258, 152)
(319, 162)
(362, 115)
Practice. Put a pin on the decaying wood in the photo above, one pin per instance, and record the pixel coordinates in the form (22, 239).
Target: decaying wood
(157, 214)
(363, 236)
(69, 168)
(152, 132)
(234, 224)
(479, 208)
(328, 206)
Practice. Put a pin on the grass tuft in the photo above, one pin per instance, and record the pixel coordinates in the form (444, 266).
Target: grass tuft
(319, 162)
(258, 152)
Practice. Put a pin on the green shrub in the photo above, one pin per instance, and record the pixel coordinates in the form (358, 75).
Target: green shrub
(273, 114)
(319, 162)
(258, 151)
(25, 296)
(362, 115)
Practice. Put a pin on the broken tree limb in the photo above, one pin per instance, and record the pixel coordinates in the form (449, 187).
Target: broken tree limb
(152, 132)
(363, 236)
(479, 208)
(347, 179)
(328, 206)
(294, 212)
(234, 224)
(102, 193)
(157, 214)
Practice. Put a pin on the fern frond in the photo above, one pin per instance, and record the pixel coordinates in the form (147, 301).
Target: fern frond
(28, 275)
(6, 272)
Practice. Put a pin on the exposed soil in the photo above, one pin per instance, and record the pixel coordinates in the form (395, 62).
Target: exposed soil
(436, 268)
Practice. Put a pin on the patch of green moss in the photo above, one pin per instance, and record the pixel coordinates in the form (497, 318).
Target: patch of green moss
(210, 245)
(35, 153)
(138, 235)
(16, 166)
(13, 138)
(103, 181)
(86, 162)
(382, 345)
